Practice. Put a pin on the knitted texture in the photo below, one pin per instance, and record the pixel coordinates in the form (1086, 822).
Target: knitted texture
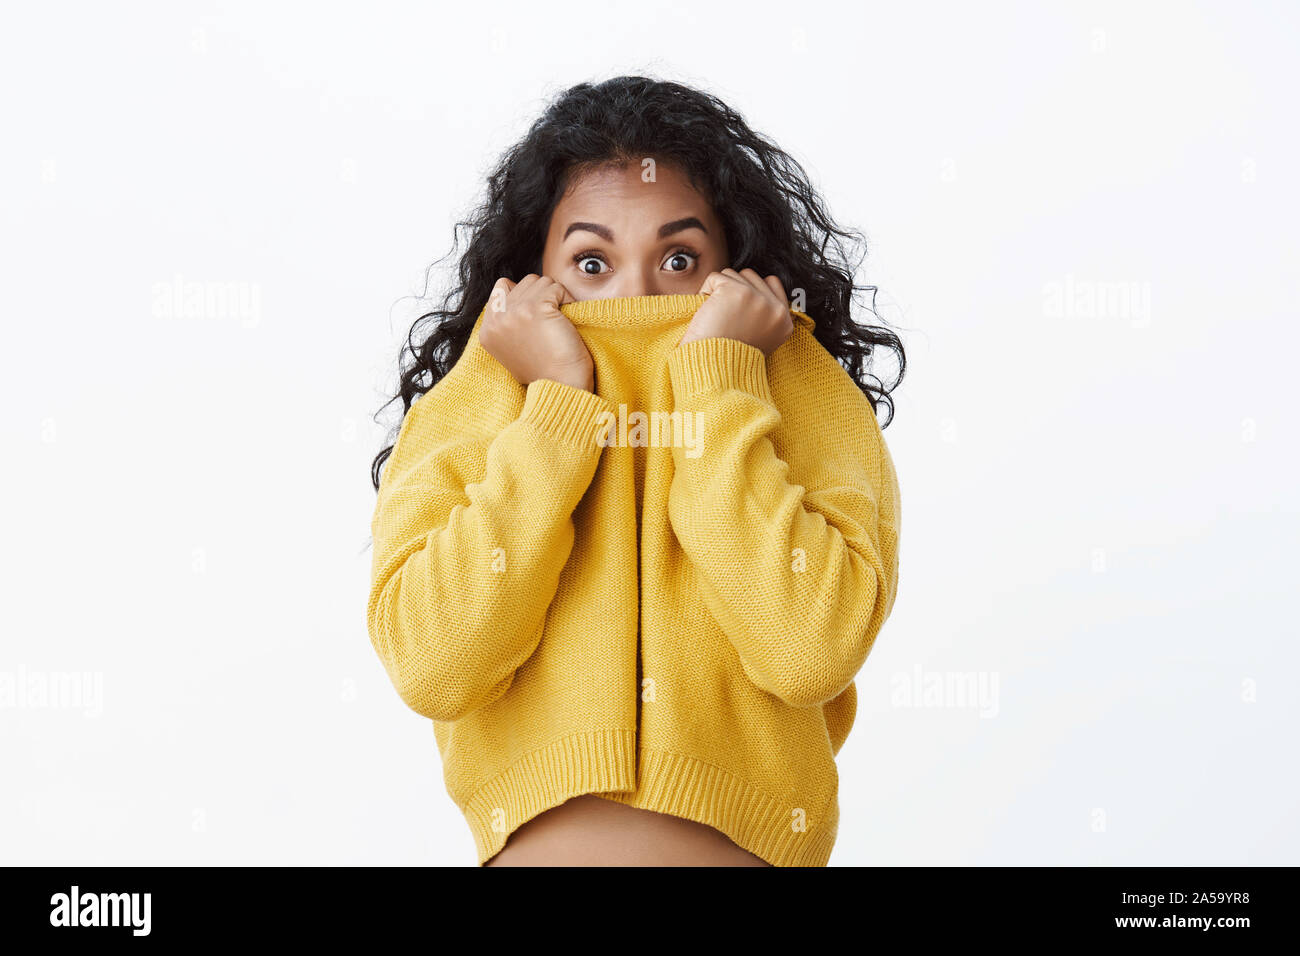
(659, 592)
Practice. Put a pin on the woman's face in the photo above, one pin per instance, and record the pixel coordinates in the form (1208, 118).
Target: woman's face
(612, 234)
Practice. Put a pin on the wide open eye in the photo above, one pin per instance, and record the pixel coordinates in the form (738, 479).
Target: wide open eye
(589, 255)
(683, 254)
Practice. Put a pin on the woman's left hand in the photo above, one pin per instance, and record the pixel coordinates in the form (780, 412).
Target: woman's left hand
(742, 306)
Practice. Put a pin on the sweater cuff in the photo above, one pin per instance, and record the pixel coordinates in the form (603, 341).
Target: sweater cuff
(568, 414)
(718, 363)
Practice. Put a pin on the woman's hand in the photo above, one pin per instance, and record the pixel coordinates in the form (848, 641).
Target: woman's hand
(742, 306)
(526, 332)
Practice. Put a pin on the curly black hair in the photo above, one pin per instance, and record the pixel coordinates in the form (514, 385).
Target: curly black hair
(774, 221)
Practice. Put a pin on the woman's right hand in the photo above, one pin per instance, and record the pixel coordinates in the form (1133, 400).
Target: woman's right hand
(524, 329)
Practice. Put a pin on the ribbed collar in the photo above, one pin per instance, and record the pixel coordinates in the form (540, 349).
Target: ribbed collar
(641, 310)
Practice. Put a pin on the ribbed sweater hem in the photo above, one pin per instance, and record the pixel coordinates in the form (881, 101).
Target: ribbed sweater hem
(604, 762)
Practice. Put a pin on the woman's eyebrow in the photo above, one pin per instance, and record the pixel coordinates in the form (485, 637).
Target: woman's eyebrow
(678, 225)
(667, 229)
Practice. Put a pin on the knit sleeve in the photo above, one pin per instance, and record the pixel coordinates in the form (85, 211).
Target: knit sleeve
(789, 520)
(472, 528)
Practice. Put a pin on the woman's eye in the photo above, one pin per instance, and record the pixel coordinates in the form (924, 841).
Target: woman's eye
(583, 261)
(682, 255)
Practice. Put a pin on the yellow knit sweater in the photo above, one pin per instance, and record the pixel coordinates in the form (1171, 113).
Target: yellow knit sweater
(659, 593)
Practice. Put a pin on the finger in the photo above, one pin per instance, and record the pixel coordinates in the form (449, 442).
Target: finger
(711, 283)
(774, 284)
(730, 275)
(554, 291)
(751, 280)
(500, 290)
(756, 281)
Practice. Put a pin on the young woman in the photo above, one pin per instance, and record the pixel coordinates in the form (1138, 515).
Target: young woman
(626, 189)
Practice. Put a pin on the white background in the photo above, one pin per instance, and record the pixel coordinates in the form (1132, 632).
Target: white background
(1099, 515)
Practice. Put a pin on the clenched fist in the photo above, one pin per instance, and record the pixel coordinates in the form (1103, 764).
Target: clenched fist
(742, 306)
(525, 331)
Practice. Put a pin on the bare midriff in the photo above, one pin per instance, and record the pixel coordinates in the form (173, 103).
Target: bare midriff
(591, 831)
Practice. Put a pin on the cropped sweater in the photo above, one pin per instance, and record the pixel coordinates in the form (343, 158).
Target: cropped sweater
(659, 592)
